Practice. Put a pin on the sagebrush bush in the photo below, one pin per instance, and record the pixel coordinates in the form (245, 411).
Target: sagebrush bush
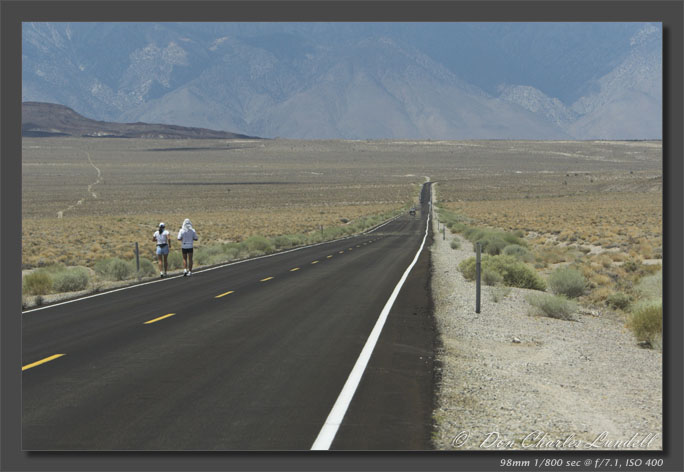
(646, 321)
(519, 252)
(631, 266)
(492, 241)
(514, 272)
(567, 281)
(71, 280)
(651, 286)
(258, 245)
(619, 300)
(553, 306)
(174, 261)
(282, 242)
(115, 268)
(37, 283)
(208, 255)
(455, 244)
(147, 268)
(491, 277)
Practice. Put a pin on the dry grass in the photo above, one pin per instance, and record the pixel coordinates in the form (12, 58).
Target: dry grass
(594, 206)
(231, 190)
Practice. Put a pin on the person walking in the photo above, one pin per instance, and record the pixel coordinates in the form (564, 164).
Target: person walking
(187, 236)
(161, 236)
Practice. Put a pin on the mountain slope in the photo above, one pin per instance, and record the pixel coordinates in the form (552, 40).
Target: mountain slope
(48, 119)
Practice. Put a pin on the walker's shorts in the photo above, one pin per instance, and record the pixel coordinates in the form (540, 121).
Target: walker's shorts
(161, 250)
(186, 250)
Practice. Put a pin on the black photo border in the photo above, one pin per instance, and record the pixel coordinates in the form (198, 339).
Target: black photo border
(13, 13)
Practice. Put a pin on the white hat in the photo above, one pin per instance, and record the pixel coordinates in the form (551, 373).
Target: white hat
(162, 225)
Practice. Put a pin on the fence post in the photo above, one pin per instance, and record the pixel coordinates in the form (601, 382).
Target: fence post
(477, 278)
(137, 259)
(443, 232)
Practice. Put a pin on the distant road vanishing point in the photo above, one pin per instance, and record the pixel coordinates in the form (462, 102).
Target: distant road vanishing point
(265, 354)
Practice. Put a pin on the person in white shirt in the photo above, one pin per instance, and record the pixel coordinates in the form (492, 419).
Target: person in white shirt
(187, 235)
(161, 236)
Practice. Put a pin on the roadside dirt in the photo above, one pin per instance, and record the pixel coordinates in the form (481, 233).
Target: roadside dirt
(515, 381)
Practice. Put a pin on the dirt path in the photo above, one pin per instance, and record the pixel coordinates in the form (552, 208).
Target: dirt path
(91, 192)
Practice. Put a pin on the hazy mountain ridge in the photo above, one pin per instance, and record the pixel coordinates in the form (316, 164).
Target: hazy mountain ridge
(297, 81)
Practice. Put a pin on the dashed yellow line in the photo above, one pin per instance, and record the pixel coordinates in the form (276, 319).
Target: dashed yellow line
(224, 294)
(266, 279)
(159, 319)
(42, 361)
(315, 262)
(329, 257)
(341, 252)
(295, 269)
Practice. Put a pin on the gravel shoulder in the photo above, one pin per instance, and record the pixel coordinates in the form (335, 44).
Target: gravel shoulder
(511, 380)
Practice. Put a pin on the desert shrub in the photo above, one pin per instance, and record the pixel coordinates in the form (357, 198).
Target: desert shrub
(491, 277)
(514, 272)
(174, 261)
(37, 283)
(618, 300)
(493, 242)
(567, 281)
(208, 255)
(498, 293)
(519, 252)
(646, 321)
(651, 286)
(231, 251)
(71, 280)
(53, 268)
(281, 242)
(114, 268)
(456, 227)
(147, 268)
(258, 245)
(455, 244)
(631, 266)
(553, 306)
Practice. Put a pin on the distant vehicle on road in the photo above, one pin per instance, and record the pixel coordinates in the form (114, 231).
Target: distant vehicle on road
(412, 212)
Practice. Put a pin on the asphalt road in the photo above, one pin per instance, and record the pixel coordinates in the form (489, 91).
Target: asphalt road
(251, 356)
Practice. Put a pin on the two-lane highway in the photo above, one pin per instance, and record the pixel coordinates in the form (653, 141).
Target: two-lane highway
(251, 355)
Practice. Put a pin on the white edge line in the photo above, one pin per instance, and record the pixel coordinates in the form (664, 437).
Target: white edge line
(339, 409)
(208, 269)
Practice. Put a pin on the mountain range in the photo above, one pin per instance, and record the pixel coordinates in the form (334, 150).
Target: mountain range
(357, 80)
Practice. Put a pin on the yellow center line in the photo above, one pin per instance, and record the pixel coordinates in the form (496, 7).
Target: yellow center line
(159, 319)
(266, 279)
(42, 361)
(224, 294)
(358, 245)
(296, 268)
(315, 262)
(341, 252)
(330, 256)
